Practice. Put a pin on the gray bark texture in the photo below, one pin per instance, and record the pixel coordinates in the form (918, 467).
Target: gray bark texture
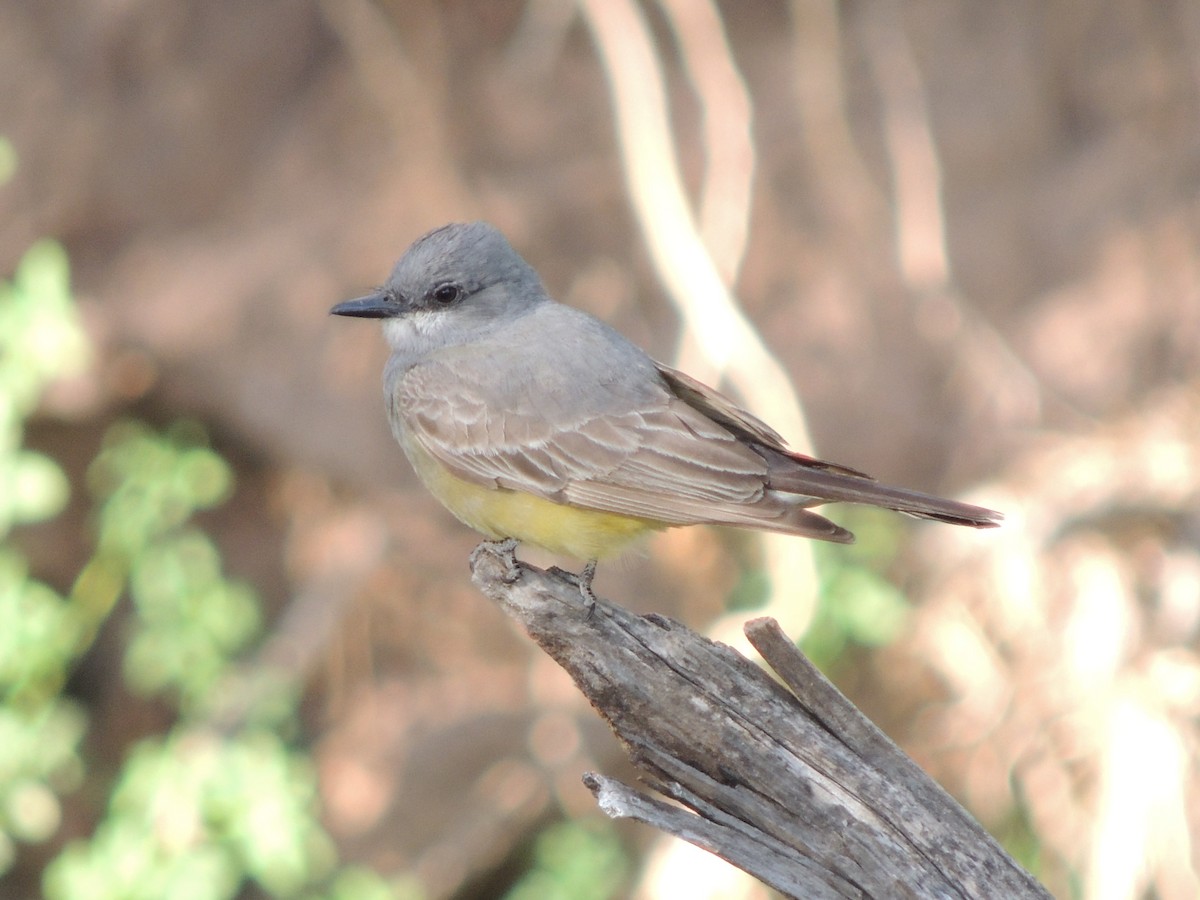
(791, 784)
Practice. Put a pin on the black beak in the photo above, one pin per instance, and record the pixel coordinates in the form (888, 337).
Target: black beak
(373, 306)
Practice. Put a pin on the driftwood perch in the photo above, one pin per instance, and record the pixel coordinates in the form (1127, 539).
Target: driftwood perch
(794, 785)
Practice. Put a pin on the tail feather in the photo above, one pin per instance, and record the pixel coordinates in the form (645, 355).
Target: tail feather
(796, 475)
(813, 481)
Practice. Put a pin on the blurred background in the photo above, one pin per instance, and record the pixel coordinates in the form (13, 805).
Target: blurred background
(240, 653)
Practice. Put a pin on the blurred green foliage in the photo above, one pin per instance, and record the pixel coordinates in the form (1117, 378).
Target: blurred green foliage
(40, 340)
(193, 814)
(1018, 834)
(580, 860)
(190, 620)
(200, 811)
(857, 605)
(40, 730)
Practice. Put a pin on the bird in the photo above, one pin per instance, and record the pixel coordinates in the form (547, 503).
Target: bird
(536, 422)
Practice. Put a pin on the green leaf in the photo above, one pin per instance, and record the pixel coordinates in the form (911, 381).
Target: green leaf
(40, 335)
(38, 489)
(39, 635)
(574, 861)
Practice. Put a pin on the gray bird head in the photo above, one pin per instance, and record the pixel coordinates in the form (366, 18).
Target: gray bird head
(455, 284)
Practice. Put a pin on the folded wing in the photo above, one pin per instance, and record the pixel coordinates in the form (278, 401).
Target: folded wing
(660, 447)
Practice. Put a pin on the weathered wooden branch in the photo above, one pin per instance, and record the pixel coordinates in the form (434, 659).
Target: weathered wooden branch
(792, 784)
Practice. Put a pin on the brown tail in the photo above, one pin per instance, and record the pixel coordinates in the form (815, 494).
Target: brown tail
(795, 473)
(801, 475)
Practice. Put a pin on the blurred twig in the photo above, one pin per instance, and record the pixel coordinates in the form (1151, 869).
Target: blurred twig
(918, 217)
(408, 99)
(842, 180)
(538, 39)
(710, 314)
(919, 224)
(728, 141)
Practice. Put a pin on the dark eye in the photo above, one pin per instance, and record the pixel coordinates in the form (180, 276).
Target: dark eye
(446, 293)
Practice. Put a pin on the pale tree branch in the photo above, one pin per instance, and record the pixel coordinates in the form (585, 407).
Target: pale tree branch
(728, 343)
(791, 784)
(724, 206)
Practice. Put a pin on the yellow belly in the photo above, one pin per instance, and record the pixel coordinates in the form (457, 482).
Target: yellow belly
(498, 513)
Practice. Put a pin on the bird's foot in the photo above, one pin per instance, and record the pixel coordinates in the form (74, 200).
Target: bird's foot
(584, 582)
(585, 586)
(507, 550)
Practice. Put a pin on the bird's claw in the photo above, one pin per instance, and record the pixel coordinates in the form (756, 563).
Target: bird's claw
(583, 581)
(506, 550)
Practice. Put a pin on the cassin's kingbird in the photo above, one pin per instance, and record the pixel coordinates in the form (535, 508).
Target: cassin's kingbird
(535, 421)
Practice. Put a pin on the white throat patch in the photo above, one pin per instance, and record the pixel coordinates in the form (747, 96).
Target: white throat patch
(418, 330)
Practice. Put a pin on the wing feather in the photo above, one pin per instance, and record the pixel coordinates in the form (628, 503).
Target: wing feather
(662, 460)
(638, 439)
